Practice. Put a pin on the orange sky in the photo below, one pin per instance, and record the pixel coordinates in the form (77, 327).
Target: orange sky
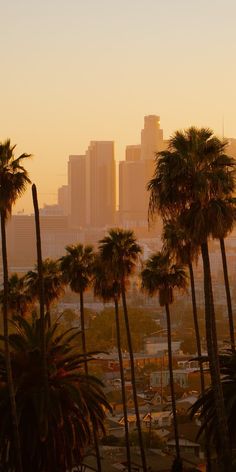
(74, 71)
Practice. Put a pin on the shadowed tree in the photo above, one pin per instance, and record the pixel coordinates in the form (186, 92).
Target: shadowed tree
(77, 269)
(53, 438)
(194, 179)
(162, 277)
(205, 405)
(53, 284)
(107, 289)
(119, 250)
(13, 182)
(19, 300)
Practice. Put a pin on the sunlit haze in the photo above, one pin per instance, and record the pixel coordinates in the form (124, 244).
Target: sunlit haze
(75, 71)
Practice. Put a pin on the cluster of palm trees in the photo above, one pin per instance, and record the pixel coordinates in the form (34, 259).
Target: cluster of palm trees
(192, 189)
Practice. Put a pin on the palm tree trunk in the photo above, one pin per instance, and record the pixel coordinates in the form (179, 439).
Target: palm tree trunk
(177, 448)
(118, 337)
(228, 296)
(41, 285)
(15, 425)
(196, 325)
(141, 445)
(199, 353)
(84, 348)
(224, 452)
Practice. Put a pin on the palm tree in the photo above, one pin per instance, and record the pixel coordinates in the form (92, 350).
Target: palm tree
(13, 181)
(19, 301)
(119, 251)
(55, 431)
(161, 276)
(77, 269)
(205, 406)
(107, 289)
(53, 284)
(194, 179)
(176, 243)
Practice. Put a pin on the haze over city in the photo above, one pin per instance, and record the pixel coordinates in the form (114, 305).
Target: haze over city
(80, 71)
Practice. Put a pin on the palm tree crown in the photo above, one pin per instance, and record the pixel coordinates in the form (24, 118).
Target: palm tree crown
(77, 266)
(120, 251)
(13, 176)
(159, 275)
(53, 283)
(195, 169)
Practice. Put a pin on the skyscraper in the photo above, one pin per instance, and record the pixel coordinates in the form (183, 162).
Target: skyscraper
(100, 184)
(135, 173)
(77, 191)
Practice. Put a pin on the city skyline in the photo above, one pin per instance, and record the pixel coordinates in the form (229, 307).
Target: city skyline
(76, 71)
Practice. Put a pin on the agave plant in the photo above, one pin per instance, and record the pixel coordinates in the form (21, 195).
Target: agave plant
(54, 425)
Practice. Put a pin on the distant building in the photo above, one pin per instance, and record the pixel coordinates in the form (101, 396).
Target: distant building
(135, 173)
(155, 344)
(63, 199)
(161, 378)
(100, 184)
(77, 191)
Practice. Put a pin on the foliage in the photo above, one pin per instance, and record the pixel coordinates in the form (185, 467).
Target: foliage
(19, 300)
(13, 177)
(204, 407)
(119, 251)
(54, 425)
(53, 283)
(160, 275)
(77, 266)
(101, 332)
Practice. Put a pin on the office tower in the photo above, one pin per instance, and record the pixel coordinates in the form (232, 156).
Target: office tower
(76, 191)
(63, 199)
(100, 184)
(135, 173)
(151, 137)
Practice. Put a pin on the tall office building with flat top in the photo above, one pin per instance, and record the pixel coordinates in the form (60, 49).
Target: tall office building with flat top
(76, 191)
(100, 184)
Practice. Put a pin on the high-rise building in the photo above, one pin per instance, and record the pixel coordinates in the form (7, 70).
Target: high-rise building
(77, 191)
(100, 184)
(135, 173)
(151, 137)
(63, 199)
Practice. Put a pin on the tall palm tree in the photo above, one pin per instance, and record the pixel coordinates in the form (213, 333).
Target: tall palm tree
(13, 181)
(107, 289)
(53, 438)
(176, 243)
(52, 280)
(161, 276)
(119, 250)
(77, 269)
(194, 179)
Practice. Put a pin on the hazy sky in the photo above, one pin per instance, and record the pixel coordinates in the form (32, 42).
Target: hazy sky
(79, 70)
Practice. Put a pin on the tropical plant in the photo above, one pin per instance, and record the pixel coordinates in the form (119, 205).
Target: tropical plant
(194, 180)
(162, 277)
(204, 407)
(107, 289)
(55, 426)
(176, 243)
(77, 271)
(13, 181)
(19, 301)
(119, 251)
(52, 281)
